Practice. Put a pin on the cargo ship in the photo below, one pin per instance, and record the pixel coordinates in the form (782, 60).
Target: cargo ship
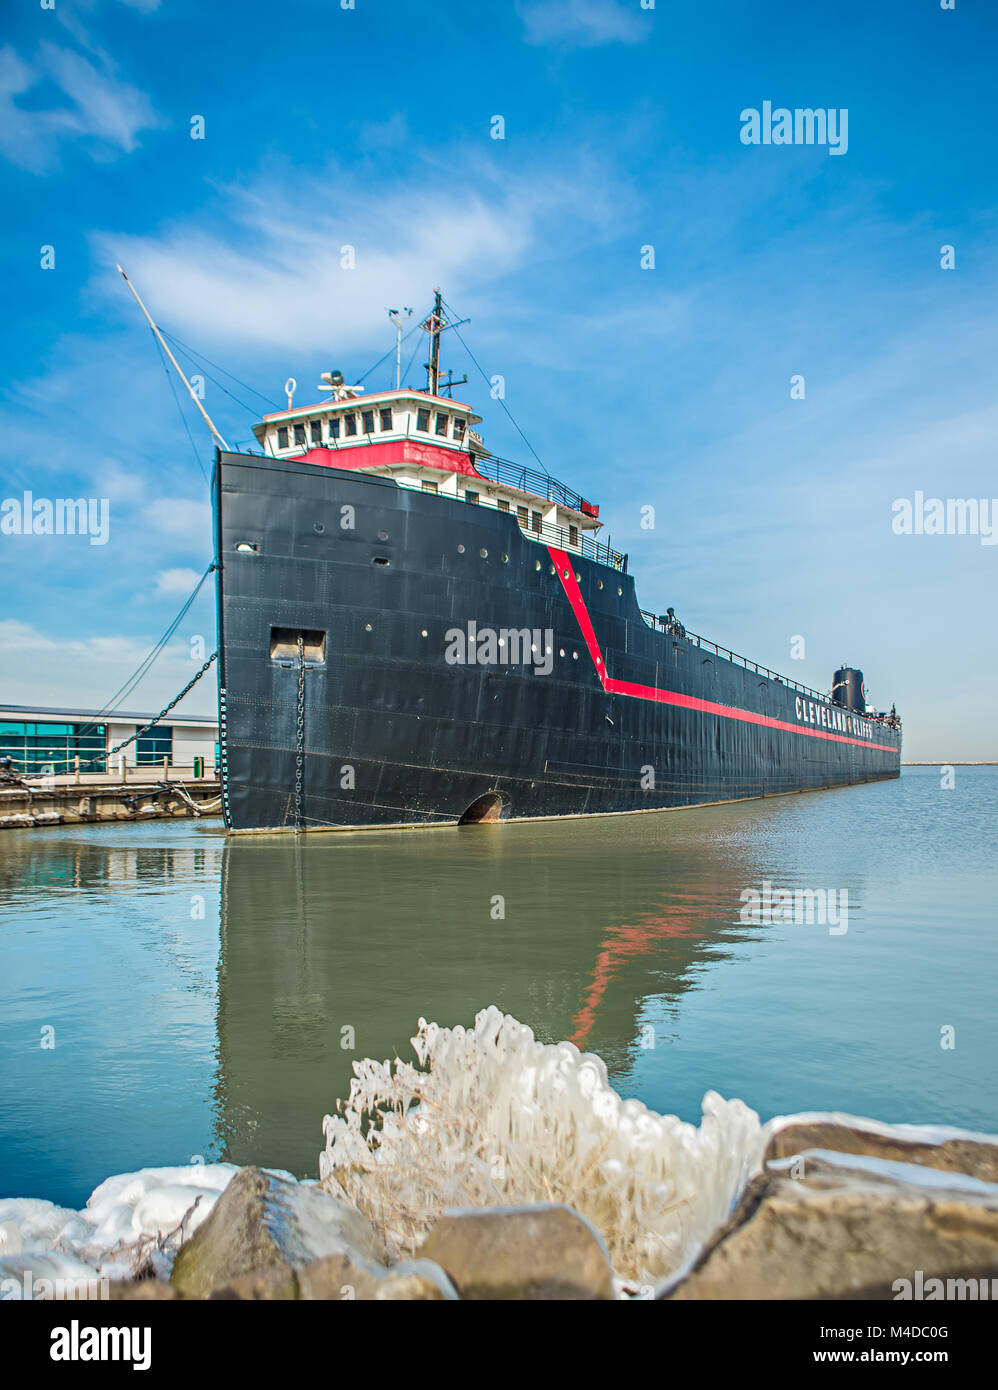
(413, 631)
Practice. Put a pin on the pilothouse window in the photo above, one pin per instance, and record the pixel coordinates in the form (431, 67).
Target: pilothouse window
(315, 429)
(386, 419)
(367, 416)
(299, 434)
(334, 427)
(442, 420)
(351, 423)
(282, 436)
(423, 420)
(458, 428)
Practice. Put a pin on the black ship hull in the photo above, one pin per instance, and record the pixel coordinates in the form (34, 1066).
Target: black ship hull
(450, 669)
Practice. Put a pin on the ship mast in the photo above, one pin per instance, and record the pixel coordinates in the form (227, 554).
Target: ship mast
(433, 325)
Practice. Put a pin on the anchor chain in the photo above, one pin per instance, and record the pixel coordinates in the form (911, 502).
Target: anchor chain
(106, 757)
(300, 733)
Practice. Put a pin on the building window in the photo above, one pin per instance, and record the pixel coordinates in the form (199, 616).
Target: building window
(458, 428)
(386, 419)
(153, 747)
(535, 522)
(429, 487)
(423, 420)
(442, 422)
(282, 436)
(573, 535)
(367, 419)
(299, 434)
(53, 748)
(521, 515)
(502, 505)
(350, 423)
(471, 497)
(334, 427)
(315, 430)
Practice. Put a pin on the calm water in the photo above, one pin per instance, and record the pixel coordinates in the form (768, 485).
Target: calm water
(198, 990)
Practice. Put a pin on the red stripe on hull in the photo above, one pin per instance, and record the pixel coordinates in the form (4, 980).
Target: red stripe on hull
(570, 584)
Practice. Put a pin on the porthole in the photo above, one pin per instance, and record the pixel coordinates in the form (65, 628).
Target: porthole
(537, 564)
(620, 592)
(578, 579)
(382, 560)
(368, 627)
(382, 535)
(484, 553)
(505, 559)
(552, 567)
(564, 574)
(561, 651)
(575, 656)
(246, 547)
(318, 527)
(600, 583)
(460, 550)
(424, 633)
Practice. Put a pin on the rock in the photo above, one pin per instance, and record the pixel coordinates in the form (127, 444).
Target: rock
(850, 1225)
(264, 1219)
(542, 1251)
(340, 1279)
(141, 1291)
(952, 1150)
(415, 1281)
(272, 1284)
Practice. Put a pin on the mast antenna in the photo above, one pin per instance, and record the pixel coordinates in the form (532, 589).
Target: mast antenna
(396, 317)
(159, 337)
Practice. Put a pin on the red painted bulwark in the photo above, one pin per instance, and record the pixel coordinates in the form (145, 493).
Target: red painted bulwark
(391, 451)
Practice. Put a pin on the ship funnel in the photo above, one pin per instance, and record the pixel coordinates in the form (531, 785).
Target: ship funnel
(847, 689)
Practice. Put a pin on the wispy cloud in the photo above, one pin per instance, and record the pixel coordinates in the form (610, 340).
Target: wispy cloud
(175, 582)
(89, 103)
(82, 673)
(272, 278)
(581, 23)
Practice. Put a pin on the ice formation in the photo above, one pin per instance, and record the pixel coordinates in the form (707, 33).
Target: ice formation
(493, 1117)
(132, 1223)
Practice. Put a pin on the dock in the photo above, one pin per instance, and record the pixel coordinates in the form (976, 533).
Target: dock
(79, 798)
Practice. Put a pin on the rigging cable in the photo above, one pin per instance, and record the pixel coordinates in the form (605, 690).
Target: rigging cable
(129, 685)
(183, 417)
(488, 382)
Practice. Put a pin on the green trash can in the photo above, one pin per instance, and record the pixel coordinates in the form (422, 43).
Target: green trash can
(199, 767)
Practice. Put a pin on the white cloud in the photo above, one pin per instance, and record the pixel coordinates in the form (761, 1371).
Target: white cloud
(83, 672)
(180, 516)
(176, 582)
(580, 23)
(99, 108)
(275, 279)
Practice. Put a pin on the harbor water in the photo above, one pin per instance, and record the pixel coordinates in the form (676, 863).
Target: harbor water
(167, 992)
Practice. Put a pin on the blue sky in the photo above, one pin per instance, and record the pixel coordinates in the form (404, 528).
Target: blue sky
(665, 387)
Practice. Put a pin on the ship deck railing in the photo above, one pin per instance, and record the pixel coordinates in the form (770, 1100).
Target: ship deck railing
(532, 481)
(586, 546)
(705, 643)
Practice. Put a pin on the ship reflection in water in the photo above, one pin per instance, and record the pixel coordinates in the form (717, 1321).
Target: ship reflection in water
(208, 996)
(333, 948)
